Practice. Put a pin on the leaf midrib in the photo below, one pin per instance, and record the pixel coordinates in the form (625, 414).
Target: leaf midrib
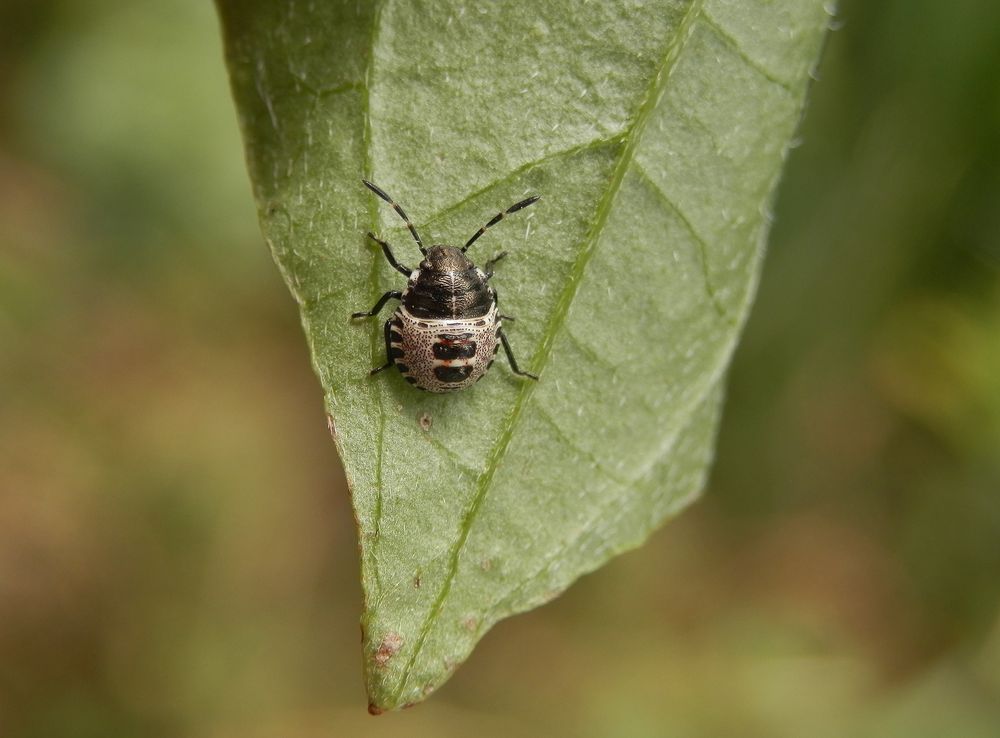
(631, 138)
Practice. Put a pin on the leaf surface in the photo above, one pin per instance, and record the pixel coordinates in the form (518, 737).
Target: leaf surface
(655, 133)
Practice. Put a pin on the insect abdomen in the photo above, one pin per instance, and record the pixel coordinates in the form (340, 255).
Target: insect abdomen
(443, 355)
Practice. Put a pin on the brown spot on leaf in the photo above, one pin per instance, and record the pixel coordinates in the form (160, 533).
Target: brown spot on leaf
(331, 426)
(486, 564)
(470, 623)
(374, 709)
(389, 647)
(425, 421)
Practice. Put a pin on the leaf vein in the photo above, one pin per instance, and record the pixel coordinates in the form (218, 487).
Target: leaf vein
(699, 241)
(458, 461)
(545, 415)
(631, 138)
(734, 45)
(526, 167)
(591, 354)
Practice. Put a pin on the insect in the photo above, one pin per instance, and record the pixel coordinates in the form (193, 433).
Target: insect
(447, 329)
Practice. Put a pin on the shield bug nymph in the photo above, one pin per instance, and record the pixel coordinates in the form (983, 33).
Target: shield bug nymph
(447, 328)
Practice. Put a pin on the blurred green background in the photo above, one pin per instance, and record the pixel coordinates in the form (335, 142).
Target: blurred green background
(177, 555)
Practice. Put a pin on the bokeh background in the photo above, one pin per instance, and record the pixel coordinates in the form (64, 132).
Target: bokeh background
(177, 555)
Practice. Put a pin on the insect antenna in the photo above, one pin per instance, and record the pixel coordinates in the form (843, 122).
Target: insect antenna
(402, 214)
(500, 216)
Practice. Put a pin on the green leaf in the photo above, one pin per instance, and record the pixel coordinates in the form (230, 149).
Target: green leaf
(655, 133)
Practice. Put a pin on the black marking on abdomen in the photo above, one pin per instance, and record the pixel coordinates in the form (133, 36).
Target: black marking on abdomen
(456, 350)
(453, 373)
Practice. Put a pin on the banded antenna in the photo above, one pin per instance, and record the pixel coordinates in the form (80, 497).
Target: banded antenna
(500, 216)
(402, 213)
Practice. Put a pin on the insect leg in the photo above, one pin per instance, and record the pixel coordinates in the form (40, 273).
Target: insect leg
(390, 295)
(388, 352)
(510, 357)
(488, 266)
(399, 211)
(500, 216)
(388, 255)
